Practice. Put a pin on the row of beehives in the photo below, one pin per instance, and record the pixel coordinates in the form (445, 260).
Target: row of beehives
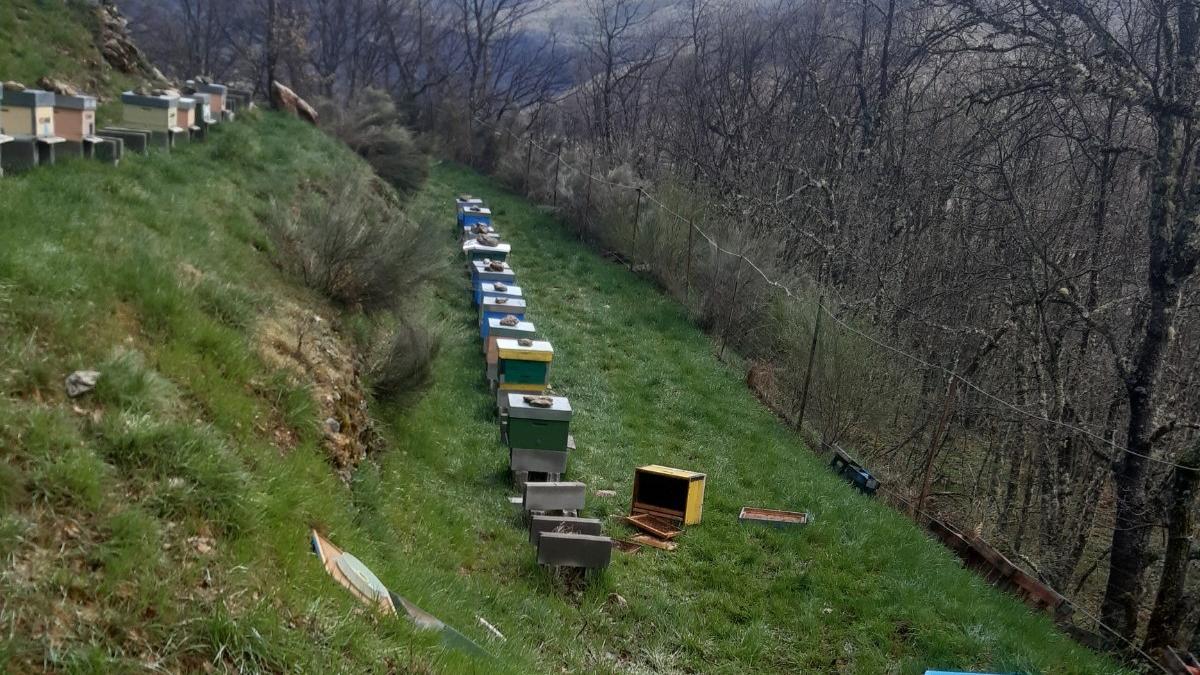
(535, 425)
(38, 127)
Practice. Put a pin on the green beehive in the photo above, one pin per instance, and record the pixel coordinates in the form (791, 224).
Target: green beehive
(523, 364)
(533, 425)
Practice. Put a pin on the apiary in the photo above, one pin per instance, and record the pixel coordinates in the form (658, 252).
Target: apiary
(475, 214)
(28, 114)
(485, 271)
(521, 366)
(491, 307)
(75, 121)
(672, 493)
(486, 246)
(538, 422)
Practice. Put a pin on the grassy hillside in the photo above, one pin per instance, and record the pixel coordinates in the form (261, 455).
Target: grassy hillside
(861, 590)
(161, 521)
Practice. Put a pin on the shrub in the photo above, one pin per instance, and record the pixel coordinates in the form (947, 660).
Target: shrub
(406, 365)
(371, 127)
(354, 245)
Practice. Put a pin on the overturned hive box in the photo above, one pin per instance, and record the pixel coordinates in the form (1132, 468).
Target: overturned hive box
(491, 307)
(671, 493)
(532, 427)
(854, 473)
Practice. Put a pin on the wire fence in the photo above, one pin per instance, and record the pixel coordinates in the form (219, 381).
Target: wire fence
(656, 234)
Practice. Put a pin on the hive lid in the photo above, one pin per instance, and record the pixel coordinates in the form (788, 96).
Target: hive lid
(538, 350)
(477, 210)
(29, 98)
(207, 88)
(522, 329)
(187, 103)
(493, 304)
(474, 245)
(165, 102)
(559, 410)
(75, 102)
(489, 288)
(361, 577)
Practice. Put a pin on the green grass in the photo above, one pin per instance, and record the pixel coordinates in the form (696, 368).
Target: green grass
(859, 590)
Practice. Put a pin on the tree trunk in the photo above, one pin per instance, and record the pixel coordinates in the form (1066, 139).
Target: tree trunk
(1170, 609)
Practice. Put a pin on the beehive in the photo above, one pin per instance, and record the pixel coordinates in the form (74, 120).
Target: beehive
(3, 138)
(497, 330)
(75, 118)
(460, 203)
(523, 367)
(28, 114)
(481, 272)
(217, 94)
(477, 249)
(203, 115)
(536, 428)
(491, 307)
(475, 213)
(187, 114)
(159, 114)
(671, 493)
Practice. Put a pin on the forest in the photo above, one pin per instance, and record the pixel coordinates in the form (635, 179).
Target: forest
(957, 238)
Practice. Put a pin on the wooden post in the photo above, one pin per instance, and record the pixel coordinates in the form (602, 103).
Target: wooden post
(938, 433)
(812, 356)
(557, 168)
(688, 271)
(587, 208)
(528, 162)
(637, 214)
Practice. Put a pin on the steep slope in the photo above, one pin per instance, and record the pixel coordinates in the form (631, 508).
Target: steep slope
(861, 590)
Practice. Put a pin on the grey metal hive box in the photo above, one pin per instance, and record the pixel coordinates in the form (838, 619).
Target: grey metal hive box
(523, 329)
(540, 524)
(489, 288)
(557, 496)
(135, 141)
(539, 461)
(561, 549)
(475, 250)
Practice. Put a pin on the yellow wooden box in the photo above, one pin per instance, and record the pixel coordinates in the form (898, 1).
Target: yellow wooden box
(28, 113)
(154, 113)
(672, 493)
(540, 350)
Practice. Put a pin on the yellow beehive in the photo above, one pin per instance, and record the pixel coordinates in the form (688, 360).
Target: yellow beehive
(28, 113)
(672, 493)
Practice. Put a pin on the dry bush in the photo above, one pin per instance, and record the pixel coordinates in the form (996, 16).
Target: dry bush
(371, 126)
(353, 244)
(406, 363)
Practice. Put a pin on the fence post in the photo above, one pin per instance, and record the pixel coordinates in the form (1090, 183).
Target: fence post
(687, 275)
(812, 357)
(528, 163)
(938, 433)
(587, 208)
(557, 168)
(637, 215)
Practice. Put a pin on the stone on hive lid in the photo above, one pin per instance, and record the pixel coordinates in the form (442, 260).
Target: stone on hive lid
(540, 401)
(487, 241)
(559, 410)
(495, 266)
(509, 320)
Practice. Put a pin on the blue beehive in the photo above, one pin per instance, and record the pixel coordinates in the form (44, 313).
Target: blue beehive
(844, 466)
(489, 271)
(498, 308)
(476, 214)
(463, 201)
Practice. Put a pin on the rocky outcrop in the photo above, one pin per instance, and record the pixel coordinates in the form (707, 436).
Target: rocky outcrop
(57, 86)
(117, 46)
(286, 100)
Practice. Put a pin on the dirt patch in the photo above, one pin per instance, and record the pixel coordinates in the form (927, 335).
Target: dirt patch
(307, 344)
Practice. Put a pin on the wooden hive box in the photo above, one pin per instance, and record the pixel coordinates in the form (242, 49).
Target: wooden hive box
(482, 271)
(534, 428)
(474, 249)
(155, 113)
(75, 118)
(475, 214)
(491, 307)
(672, 493)
(203, 115)
(187, 114)
(523, 367)
(217, 94)
(29, 114)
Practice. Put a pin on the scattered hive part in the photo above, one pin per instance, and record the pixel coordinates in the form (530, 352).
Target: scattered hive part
(564, 549)
(845, 466)
(675, 494)
(541, 524)
(750, 514)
